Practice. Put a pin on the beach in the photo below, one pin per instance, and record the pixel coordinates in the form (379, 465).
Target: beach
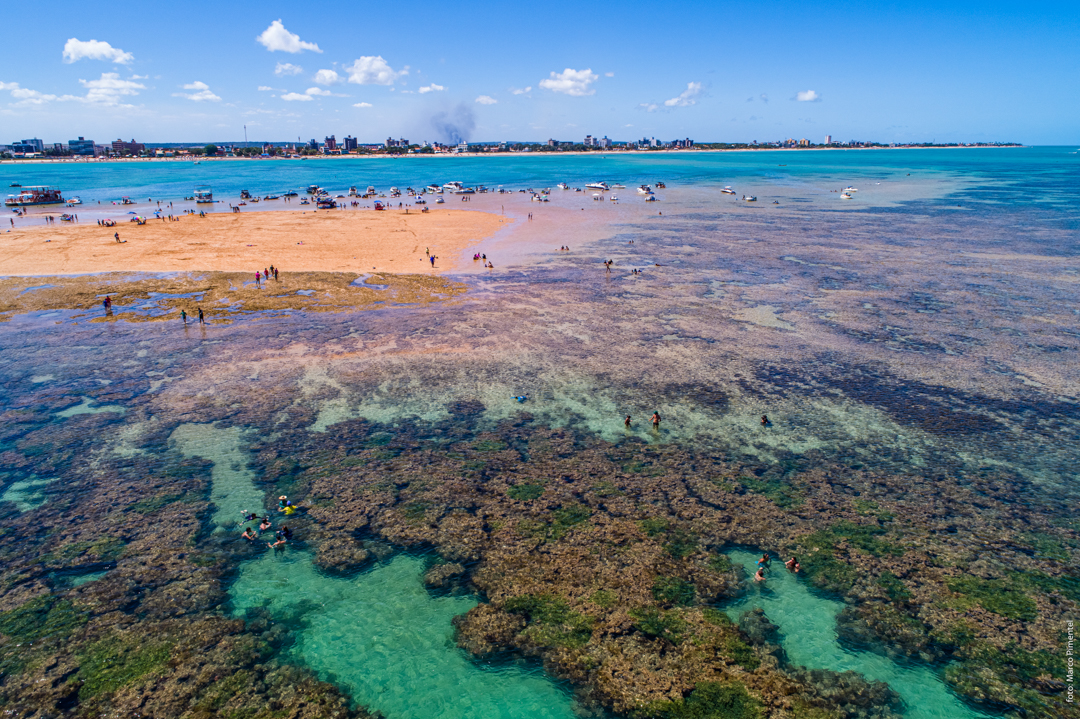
(331, 241)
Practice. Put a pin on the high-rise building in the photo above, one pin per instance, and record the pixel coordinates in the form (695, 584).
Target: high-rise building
(603, 142)
(81, 147)
(32, 145)
(119, 147)
(589, 141)
(828, 139)
(330, 143)
(349, 143)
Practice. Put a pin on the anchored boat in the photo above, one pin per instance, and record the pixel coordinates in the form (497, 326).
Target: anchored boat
(203, 194)
(35, 195)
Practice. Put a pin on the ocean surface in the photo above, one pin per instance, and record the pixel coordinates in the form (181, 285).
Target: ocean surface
(915, 346)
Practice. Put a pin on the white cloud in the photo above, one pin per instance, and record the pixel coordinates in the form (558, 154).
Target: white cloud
(75, 50)
(9, 85)
(287, 68)
(486, 100)
(107, 90)
(687, 97)
(571, 82)
(296, 97)
(265, 88)
(649, 106)
(807, 96)
(315, 91)
(520, 90)
(276, 37)
(362, 104)
(202, 92)
(25, 96)
(373, 70)
(609, 74)
(327, 77)
(764, 98)
(431, 88)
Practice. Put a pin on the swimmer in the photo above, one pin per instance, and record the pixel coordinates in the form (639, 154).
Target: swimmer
(764, 562)
(250, 516)
(283, 503)
(627, 421)
(283, 535)
(264, 524)
(521, 398)
(249, 534)
(765, 420)
(792, 564)
(760, 576)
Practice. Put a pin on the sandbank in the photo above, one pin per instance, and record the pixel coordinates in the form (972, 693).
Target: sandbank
(325, 241)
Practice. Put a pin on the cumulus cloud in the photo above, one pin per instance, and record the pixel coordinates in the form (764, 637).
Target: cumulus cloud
(571, 82)
(431, 88)
(284, 69)
(649, 106)
(265, 88)
(108, 89)
(609, 74)
(373, 70)
(277, 38)
(327, 77)
(362, 104)
(201, 92)
(26, 96)
(75, 50)
(807, 96)
(687, 97)
(520, 90)
(318, 91)
(486, 100)
(296, 97)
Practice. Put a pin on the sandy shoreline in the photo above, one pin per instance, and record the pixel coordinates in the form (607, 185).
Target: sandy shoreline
(389, 241)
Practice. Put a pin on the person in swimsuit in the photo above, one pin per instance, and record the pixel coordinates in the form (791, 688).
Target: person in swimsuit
(792, 564)
(764, 562)
(249, 534)
(656, 420)
(627, 421)
(760, 576)
(765, 420)
(264, 524)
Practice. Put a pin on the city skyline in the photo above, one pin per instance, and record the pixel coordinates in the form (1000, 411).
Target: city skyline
(942, 72)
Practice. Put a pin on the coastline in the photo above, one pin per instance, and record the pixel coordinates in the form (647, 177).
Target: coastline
(71, 160)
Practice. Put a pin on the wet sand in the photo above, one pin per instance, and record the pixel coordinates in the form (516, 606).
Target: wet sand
(325, 241)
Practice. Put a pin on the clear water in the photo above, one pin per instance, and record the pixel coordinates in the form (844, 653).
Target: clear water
(232, 490)
(390, 643)
(807, 624)
(26, 494)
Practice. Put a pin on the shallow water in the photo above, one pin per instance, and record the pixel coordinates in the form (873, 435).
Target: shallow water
(807, 624)
(390, 642)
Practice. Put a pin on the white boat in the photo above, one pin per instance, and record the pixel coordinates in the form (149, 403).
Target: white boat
(352, 191)
(749, 198)
(74, 201)
(845, 196)
(439, 201)
(370, 190)
(849, 189)
(456, 188)
(644, 190)
(617, 186)
(35, 195)
(727, 191)
(614, 198)
(312, 189)
(651, 198)
(203, 194)
(395, 192)
(434, 189)
(597, 186)
(563, 186)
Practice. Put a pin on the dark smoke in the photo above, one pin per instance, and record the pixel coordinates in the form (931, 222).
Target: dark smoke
(455, 125)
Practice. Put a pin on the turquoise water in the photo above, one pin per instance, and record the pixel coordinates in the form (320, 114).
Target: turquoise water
(390, 643)
(1020, 175)
(807, 624)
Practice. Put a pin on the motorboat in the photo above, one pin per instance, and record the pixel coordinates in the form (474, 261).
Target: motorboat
(395, 192)
(617, 186)
(651, 198)
(326, 203)
(457, 188)
(420, 200)
(849, 189)
(614, 198)
(312, 189)
(127, 200)
(352, 191)
(72, 201)
(290, 193)
(660, 185)
(727, 191)
(439, 201)
(434, 189)
(14, 184)
(845, 196)
(302, 202)
(749, 198)
(370, 190)
(563, 186)
(272, 197)
(598, 186)
(203, 194)
(245, 195)
(644, 190)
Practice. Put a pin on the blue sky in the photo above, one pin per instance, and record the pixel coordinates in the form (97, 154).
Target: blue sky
(199, 71)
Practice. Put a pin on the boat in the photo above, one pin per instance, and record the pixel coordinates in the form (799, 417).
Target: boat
(379, 205)
(35, 195)
(127, 200)
(72, 201)
(597, 186)
(563, 186)
(849, 189)
(660, 185)
(651, 198)
(727, 191)
(440, 201)
(749, 198)
(67, 218)
(326, 203)
(245, 195)
(395, 192)
(370, 190)
(776, 202)
(434, 189)
(312, 189)
(845, 196)
(203, 194)
(352, 191)
(14, 184)
(304, 201)
(272, 197)
(290, 193)
(644, 190)
(457, 188)
(614, 198)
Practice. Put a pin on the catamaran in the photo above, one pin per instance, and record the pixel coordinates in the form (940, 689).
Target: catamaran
(35, 195)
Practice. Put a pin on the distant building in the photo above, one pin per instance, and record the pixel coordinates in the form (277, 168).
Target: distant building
(313, 144)
(25, 146)
(804, 143)
(828, 139)
(603, 142)
(684, 143)
(81, 147)
(119, 147)
(349, 143)
(391, 142)
(462, 147)
(552, 143)
(330, 143)
(589, 141)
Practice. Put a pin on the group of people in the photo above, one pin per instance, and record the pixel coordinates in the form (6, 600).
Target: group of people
(487, 263)
(266, 274)
(564, 248)
(281, 536)
(183, 315)
(766, 562)
(655, 419)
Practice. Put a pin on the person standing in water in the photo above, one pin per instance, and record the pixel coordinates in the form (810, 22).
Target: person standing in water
(627, 421)
(656, 420)
(201, 320)
(183, 316)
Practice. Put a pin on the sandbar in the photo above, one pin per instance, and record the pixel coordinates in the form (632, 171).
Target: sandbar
(325, 241)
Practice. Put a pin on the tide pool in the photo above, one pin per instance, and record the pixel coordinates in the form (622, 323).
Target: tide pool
(808, 626)
(389, 642)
